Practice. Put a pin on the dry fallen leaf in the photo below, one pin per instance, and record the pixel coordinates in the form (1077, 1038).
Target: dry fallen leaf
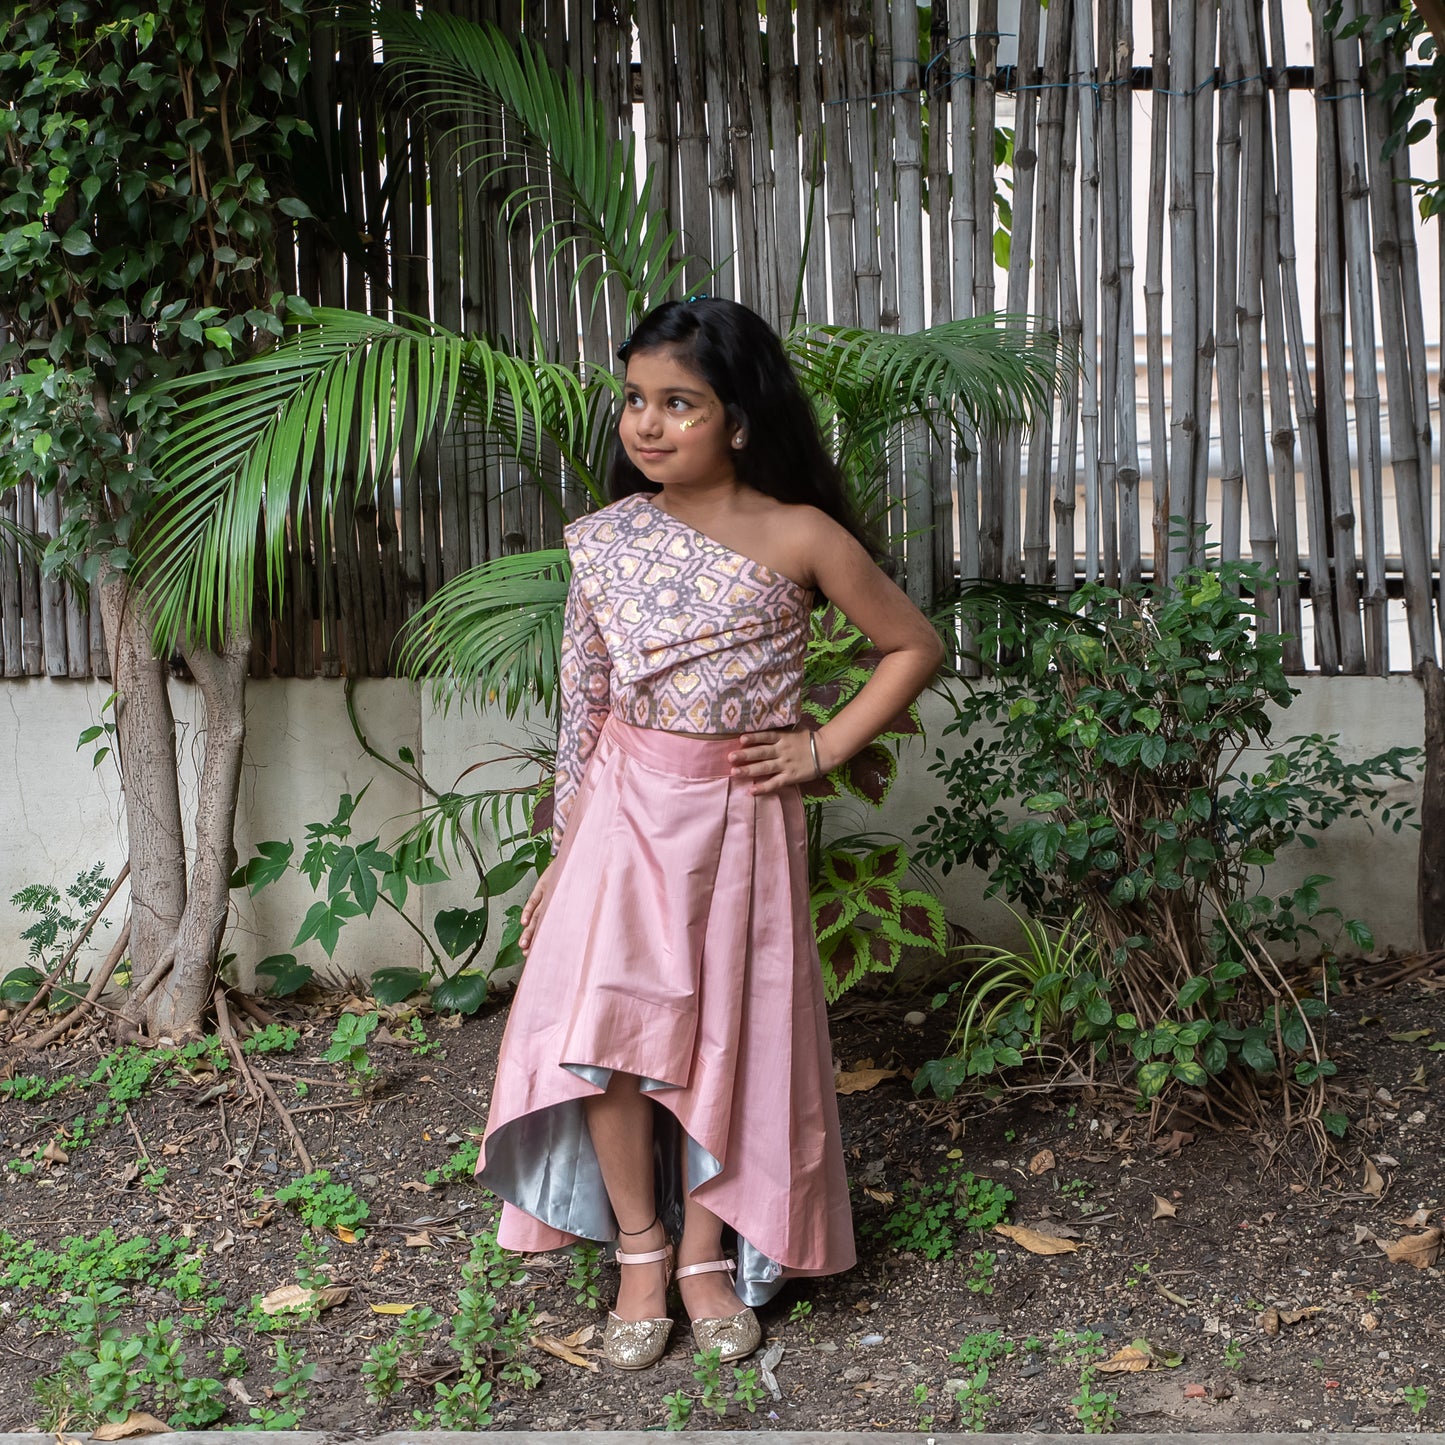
(54, 1154)
(1374, 1181)
(416, 1186)
(419, 1240)
(299, 1297)
(1033, 1241)
(1055, 1229)
(1128, 1361)
(1163, 1209)
(1175, 1142)
(391, 1309)
(1418, 1220)
(136, 1423)
(225, 1242)
(578, 1338)
(1272, 1319)
(1139, 1355)
(559, 1349)
(880, 1196)
(1042, 1162)
(859, 1080)
(1369, 1322)
(169, 1150)
(345, 1234)
(1420, 1250)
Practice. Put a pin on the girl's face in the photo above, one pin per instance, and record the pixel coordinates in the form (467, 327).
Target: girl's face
(674, 428)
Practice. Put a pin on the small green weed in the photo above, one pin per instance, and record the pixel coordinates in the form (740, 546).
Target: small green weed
(746, 1390)
(1233, 1354)
(459, 1168)
(979, 1278)
(273, 1039)
(978, 1354)
(322, 1204)
(1096, 1410)
(585, 1279)
(290, 1389)
(679, 1409)
(349, 1048)
(707, 1371)
(932, 1214)
(1417, 1397)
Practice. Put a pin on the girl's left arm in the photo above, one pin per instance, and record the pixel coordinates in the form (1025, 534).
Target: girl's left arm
(912, 652)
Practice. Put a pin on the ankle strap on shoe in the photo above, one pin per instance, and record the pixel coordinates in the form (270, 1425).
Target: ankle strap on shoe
(711, 1267)
(651, 1256)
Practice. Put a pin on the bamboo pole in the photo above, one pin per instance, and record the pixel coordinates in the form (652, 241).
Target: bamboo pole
(1089, 147)
(1282, 431)
(787, 174)
(1065, 488)
(747, 219)
(1110, 299)
(721, 176)
(1159, 478)
(1125, 405)
(1330, 354)
(1399, 385)
(890, 95)
(1322, 600)
(52, 592)
(967, 212)
(1230, 293)
(858, 111)
(812, 150)
(1026, 95)
(1360, 295)
(1184, 309)
(753, 101)
(11, 663)
(1206, 33)
(1262, 535)
(1058, 34)
(987, 551)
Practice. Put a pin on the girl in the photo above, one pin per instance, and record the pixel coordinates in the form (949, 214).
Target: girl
(666, 1070)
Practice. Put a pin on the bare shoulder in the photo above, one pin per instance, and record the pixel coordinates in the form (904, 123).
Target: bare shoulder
(803, 536)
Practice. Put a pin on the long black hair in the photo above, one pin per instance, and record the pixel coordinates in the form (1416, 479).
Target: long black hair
(739, 355)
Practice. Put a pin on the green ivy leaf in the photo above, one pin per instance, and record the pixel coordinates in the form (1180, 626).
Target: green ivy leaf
(325, 921)
(392, 985)
(459, 930)
(286, 975)
(463, 993)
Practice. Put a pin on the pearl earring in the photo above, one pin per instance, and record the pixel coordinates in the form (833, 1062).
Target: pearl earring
(739, 440)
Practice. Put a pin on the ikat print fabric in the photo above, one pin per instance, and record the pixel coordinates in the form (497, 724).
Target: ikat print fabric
(667, 628)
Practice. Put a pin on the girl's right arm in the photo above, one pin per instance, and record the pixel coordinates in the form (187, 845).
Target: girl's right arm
(584, 682)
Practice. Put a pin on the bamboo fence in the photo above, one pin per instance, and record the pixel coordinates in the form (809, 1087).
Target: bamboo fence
(837, 165)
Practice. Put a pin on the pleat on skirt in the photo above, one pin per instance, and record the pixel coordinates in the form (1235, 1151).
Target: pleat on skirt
(677, 945)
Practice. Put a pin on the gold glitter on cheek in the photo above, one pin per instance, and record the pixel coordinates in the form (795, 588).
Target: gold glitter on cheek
(693, 421)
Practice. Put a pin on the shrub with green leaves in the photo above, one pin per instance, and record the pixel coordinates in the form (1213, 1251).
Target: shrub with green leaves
(932, 1214)
(322, 1204)
(1120, 727)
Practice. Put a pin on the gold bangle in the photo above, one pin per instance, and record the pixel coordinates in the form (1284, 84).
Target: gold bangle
(813, 745)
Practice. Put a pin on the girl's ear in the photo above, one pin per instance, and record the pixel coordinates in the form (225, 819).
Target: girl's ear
(737, 426)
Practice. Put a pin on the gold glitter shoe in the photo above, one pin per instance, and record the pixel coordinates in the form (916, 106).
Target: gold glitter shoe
(636, 1344)
(732, 1336)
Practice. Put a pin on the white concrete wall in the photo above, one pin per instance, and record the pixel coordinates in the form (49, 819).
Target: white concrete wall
(58, 816)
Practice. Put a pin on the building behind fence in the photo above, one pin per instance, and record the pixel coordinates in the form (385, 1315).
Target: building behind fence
(865, 180)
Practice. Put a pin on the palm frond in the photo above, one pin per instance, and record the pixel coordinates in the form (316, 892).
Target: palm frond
(245, 442)
(448, 67)
(994, 371)
(495, 632)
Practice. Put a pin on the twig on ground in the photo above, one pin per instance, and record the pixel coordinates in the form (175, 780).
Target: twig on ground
(303, 1158)
(232, 1043)
(264, 1017)
(255, 1080)
(139, 1142)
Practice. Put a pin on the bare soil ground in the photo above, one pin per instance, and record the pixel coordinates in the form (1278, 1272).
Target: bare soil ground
(1265, 1277)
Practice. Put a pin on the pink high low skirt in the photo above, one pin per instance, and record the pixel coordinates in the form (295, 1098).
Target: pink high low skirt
(677, 945)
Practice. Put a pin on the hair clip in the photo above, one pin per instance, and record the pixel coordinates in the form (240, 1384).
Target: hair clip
(698, 296)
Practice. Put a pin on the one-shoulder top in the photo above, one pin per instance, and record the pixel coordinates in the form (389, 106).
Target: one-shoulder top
(669, 629)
